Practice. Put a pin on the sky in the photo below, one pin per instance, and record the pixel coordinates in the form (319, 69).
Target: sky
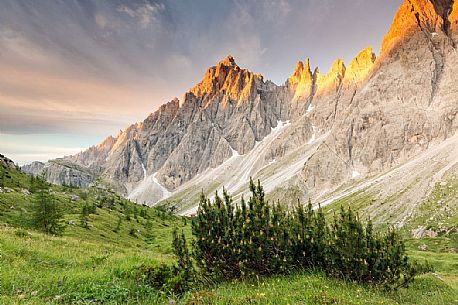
(75, 71)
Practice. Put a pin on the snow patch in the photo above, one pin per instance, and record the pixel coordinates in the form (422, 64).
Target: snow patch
(309, 109)
(144, 171)
(355, 174)
(234, 152)
(149, 184)
(280, 125)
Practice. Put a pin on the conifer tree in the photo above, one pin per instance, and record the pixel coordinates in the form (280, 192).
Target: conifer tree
(84, 216)
(32, 183)
(143, 213)
(320, 240)
(180, 249)
(127, 212)
(135, 212)
(47, 214)
(2, 177)
(118, 224)
(93, 208)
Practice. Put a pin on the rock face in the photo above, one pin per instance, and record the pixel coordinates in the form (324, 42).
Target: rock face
(406, 100)
(326, 130)
(330, 83)
(34, 168)
(61, 171)
(227, 113)
(6, 162)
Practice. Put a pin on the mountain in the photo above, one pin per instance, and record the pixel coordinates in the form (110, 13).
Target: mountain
(383, 125)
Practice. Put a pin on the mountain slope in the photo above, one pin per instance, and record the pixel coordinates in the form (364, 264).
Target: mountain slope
(312, 137)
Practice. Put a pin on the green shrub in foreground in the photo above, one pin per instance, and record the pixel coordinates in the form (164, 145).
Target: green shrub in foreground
(256, 238)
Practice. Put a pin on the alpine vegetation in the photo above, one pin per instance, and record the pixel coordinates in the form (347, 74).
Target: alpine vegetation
(255, 238)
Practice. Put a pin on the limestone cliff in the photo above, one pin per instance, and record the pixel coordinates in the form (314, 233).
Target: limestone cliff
(406, 101)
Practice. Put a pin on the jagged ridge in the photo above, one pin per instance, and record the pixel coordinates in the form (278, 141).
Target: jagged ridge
(368, 117)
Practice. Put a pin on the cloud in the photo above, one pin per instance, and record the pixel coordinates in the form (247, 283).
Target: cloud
(144, 14)
(106, 23)
(275, 10)
(38, 102)
(16, 45)
(25, 149)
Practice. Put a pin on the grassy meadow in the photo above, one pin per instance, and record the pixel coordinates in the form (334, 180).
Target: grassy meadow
(99, 264)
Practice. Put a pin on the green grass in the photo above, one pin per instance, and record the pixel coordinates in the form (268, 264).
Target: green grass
(440, 209)
(83, 265)
(99, 265)
(315, 288)
(39, 269)
(441, 253)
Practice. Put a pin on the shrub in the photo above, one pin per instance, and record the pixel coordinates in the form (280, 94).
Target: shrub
(256, 238)
(181, 252)
(133, 232)
(237, 241)
(118, 224)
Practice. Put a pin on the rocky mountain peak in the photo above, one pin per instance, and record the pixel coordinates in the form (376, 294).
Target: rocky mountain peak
(301, 80)
(228, 61)
(228, 79)
(333, 78)
(360, 67)
(453, 17)
(107, 144)
(432, 16)
(301, 73)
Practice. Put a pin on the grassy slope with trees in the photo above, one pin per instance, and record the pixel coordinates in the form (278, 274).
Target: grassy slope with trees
(99, 254)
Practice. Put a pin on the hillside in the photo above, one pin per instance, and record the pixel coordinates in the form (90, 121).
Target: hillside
(83, 265)
(101, 263)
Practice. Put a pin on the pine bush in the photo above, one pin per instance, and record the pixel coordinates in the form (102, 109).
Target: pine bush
(255, 238)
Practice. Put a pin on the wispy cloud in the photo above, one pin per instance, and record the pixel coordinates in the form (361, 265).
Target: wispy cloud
(16, 45)
(144, 14)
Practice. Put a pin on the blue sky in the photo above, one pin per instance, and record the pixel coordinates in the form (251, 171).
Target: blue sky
(74, 72)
